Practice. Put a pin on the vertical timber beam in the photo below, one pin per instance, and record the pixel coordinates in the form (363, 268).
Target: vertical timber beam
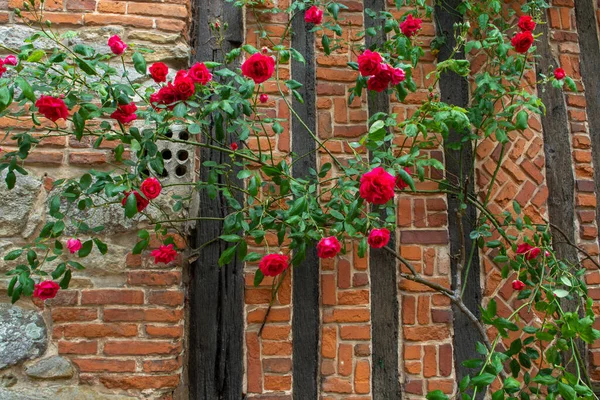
(589, 50)
(216, 354)
(589, 45)
(382, 265)
(559, 162)
(305, 276)
(454, 90)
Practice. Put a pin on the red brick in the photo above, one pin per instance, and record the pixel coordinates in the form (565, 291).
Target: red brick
(421, 334)
(277, 365)
(87, 158)
(140, 382)
(141, 347)
(104, 365)
(345, 359)
(347, 315)
(136, 314)
(424, 237)
(349, 332)
(173, 298)
(100, 330)
(82, 347)
(165, 331)
(112, 296)
(121, 20)
(163, 365)
(73, 314)
(154, 278)
(337, 385)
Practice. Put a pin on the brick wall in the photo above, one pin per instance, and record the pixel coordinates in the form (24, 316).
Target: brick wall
(124, 328)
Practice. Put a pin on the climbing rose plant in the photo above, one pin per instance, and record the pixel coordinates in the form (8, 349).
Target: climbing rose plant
(82, 93)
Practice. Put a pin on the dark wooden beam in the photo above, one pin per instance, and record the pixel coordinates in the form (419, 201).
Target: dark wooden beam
(560, 176)
(305, 277)
(589, 47)
(454, 90)
(382, 267)
(215, 363)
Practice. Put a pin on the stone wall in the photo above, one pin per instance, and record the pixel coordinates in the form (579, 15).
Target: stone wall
(117, 333)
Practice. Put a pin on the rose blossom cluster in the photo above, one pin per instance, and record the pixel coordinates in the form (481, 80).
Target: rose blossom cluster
(410, 26)
(183, 86)
(523, 40)
(381, 75)
(150, 189)
(259, 67)
(314, 15)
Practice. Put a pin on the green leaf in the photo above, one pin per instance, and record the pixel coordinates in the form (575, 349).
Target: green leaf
(79, 123)
(26, 88)
(482, 380)
(258, 277)
(560, 293)
(139, 63)
(130, 206)
(297, 56)
(511, 385)
(86, 248)
(13, 255)
(36, 56)
(230, 238)
(521, 122)
(325, 42)
(437, 395)
(566, 391)
(102, 247)
(60, 269)
(64, 282)
(180, 110)
(544, 379)
(227, 256)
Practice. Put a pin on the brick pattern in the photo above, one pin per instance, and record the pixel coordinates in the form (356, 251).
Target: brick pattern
(169, 15)
(129, 337)
(269, 356)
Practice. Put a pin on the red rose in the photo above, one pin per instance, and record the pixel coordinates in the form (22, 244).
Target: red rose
(74, 245)
(273, 264)
(234, 146)
(410, 26)
(166, 95)
(2, 68)
(559, 73)
(164, 254)
(141, 201)
(259, 67)
(313, 15)
(199, 73)
(159, 72)
(116, 45)
(378, 238)
(328, 247)
(526, 23)
(125, 113)
(263, 98)
(151, 188)
(518, 285)
(184, 87)
(528, 251)
(381, 80)
(46, 290)
(52, 108)
(400, 184)
(522, 41)
(11, 59)
(377, 186)
(398, 76)
(369, 62)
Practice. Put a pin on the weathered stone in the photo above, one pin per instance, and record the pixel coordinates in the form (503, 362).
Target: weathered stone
(8, 380)
(14, 38)
(154, 37)
(55, 367)
(22, 335)
(58, 393)
(16, 204)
